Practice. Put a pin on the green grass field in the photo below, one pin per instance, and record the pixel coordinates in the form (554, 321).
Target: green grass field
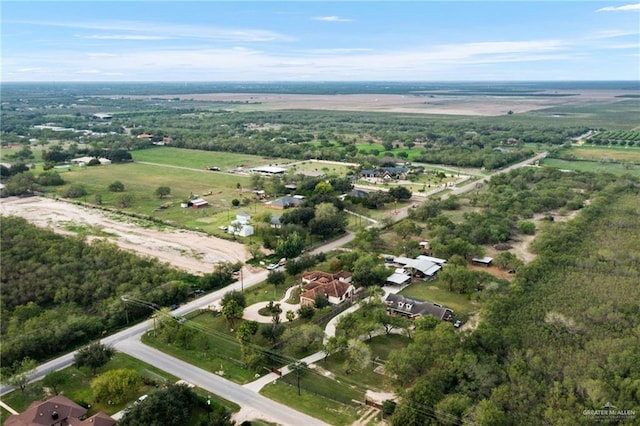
(142, 180)
(197, 159)
(222, 353)
(593, 166)
(411, 153)
(433, 292)
(596, 153)
(314, 404)
(381, 347)
(326, 168)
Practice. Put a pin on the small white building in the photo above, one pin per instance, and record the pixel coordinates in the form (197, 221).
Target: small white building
(241, 226)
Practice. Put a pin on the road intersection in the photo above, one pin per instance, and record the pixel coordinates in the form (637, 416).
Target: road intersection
(128, 340)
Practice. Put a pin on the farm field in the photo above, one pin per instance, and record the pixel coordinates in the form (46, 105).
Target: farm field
(197, 159)
(141, 180)
(596, 153)
(593, 166)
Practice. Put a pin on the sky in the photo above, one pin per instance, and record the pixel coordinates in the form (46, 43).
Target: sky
(319, 40)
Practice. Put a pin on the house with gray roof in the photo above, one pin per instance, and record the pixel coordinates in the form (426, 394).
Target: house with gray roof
(398, 304)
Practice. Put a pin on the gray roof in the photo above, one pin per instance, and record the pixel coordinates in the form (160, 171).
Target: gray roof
(397, 278)
(426, 266)
(416, 307)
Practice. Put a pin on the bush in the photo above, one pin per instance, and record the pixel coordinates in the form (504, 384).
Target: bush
(116, 186)
(526, 227)
(75, 191)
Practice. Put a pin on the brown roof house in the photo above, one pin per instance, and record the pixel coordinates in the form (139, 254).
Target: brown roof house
(414, 308)
(336, 287)
(57, 411)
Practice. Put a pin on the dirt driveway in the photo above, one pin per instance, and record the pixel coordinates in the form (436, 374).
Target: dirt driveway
(193, 252)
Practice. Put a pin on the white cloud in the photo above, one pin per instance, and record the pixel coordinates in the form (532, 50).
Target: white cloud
(331, 19)
(614, 34)
(167, 30)
(137, 37)
(626, 8)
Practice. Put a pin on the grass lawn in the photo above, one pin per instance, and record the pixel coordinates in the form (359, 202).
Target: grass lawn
(597, 153)
(433, 292)
(78, 387)
(313, 404)
(412, 153)
(198, 159)
(593, 166)
(141, 181)
(265, 292)
(327, 168)
(381, 347)
(223, 350)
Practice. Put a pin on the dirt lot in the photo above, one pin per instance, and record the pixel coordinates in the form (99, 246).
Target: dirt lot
(193, 252)
(426, 104)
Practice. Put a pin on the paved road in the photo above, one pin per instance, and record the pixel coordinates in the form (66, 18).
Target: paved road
(269, 409)
(128, 340)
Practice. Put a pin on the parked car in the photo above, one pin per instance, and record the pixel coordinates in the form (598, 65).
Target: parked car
(173, 307)
(198, 292)
(457, 324)
(272, 266)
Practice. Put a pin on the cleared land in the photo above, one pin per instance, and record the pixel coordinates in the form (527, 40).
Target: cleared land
(190, 251)
(442, 102)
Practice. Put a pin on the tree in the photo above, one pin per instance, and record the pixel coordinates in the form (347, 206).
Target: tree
(246, 330)
(291, 316)
(75, 191)
(232, 311)
(526, 227)
(94, 356)
(405, 228)
(276, 277)
(304, 338)
(162, 191)
(238, 296)
(328, 220)
(235, 202)
(272, 332)
(21, 373)
(367, 271)
(125, 200)
(290, 247)
(323, 188)
(116, 386)
(306, 312)
(55, 380)
(400, 193)
(299, 368)
(116, 186)
(358, 356)
(171, 406)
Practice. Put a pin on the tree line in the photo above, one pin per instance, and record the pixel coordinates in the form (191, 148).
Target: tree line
(58, 291)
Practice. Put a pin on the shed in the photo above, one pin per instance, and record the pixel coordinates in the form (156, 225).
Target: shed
(398, 278)
(483, 261)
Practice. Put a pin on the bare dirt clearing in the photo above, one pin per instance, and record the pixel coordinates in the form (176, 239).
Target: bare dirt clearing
(446, 102)
(193, 252)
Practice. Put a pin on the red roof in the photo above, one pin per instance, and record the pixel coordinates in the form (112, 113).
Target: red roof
(333, 288)
(47, 413)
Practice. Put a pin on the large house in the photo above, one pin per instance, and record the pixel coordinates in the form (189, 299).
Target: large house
(58, 411)
(414, 308)
(335, 287)
(285, 202)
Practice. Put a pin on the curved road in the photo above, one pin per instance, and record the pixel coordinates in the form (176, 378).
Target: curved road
(128, 341)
